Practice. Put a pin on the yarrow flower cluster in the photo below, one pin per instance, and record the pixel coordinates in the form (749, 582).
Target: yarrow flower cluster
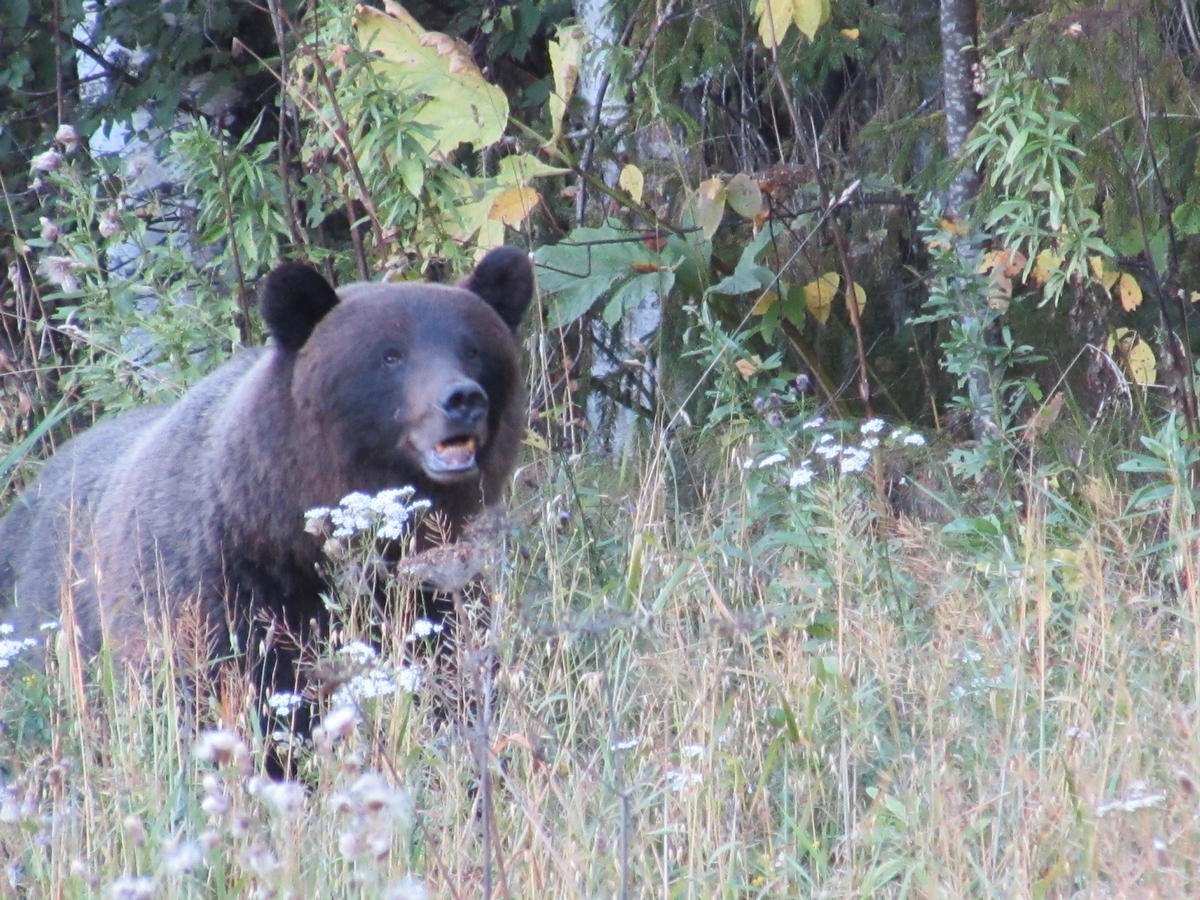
(387, 514)
(373, 678)
(833, 451)
(12, 647)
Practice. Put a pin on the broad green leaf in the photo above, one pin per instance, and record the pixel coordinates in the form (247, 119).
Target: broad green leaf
(710, 206)
(744, 196)
(628, 295)
(459, 105)
(566, 51)
(521, 168)
(819, 294)
(578, 272)
(748, 276)
(1186, 218)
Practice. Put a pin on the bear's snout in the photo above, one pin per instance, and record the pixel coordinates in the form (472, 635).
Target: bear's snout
(464, 404)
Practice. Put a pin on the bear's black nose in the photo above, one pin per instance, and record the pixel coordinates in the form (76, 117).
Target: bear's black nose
(465, 403)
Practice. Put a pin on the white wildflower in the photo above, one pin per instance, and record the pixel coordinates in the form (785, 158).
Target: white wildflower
(818, 422)
(180, 856)
(626, 744)
(67, 136)
(338, 723)
(49, 626)
(827, 451)
(284, 702)
(5, 628)
(1137, 797)
(11, 648)
(825, 438)
(773, 459)
(132, 887)
(50, 229)
(60, 271)
(423, 628)
(854, 459)
(110, 224)
(681, 781)
(692, 751)
(49, 161)
(286, 798)
(870, 443)
(220, 746)
(801, 476)
(914, 440)
(872, 426)
(410, 887)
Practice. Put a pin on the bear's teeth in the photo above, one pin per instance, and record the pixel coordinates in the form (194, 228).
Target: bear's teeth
(457, 452)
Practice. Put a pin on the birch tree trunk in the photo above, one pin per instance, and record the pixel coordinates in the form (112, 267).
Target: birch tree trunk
(960, 62)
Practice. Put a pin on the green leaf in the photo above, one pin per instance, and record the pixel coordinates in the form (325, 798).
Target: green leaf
(460, 106)
(581, 270)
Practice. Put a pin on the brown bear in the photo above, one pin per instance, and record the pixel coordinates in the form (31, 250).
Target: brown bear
(202, 501)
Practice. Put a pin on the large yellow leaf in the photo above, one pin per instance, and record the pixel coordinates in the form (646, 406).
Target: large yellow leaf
(566, 51)
(819, 294)
(514, 205)
(632, 182)
(458, 104)
(1045, 264)
(1135, 356)
(809, 15)
(774, 20)
(1103, 272)
(1129, 292)
(860, 296)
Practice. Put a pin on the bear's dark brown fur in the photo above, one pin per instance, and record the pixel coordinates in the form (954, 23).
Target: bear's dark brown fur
(373, 387)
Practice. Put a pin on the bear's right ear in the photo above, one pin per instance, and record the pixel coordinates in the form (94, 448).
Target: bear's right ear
(295, 297)
(504, 278)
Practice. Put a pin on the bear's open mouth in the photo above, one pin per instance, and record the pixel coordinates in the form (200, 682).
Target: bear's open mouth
(453, 455)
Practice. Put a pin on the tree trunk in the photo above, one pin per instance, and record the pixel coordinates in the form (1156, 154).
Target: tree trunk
(960, 63)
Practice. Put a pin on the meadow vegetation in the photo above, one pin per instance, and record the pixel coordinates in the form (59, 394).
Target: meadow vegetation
(800, 633)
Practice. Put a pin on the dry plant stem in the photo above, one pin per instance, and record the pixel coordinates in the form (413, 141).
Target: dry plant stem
(839, 241)
(299, 235)
(243, 294)
(341, 134)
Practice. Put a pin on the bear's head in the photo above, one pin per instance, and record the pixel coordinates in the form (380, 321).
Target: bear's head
(407, 383)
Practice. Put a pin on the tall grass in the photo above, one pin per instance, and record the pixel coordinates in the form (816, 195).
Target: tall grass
(731, 688)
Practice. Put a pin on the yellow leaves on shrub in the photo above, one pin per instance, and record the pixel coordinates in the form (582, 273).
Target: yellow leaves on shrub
(1129, 292)
(512, 206)
(748, 368)
(1134, 355)
(632, 182)
(1103, 272)
(565, 51)
(776, 17)
(819, 294)
(1045, 264)
(459, 105)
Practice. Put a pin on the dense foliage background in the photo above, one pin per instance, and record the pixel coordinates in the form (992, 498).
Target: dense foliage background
(855, 548)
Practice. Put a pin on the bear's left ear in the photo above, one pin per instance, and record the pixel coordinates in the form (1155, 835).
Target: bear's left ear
(504, 278)
(295, 297)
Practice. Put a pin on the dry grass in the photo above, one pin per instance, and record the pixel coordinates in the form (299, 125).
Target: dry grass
(771, 693)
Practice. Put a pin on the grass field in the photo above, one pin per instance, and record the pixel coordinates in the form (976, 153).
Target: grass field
(750, 683)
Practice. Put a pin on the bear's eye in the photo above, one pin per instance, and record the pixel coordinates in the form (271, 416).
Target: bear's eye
(391, 356)
(470, 352)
